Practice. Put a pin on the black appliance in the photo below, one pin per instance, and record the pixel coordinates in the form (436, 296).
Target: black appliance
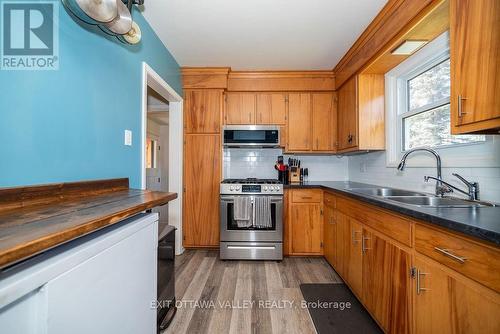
(166, 276)
(252, 136)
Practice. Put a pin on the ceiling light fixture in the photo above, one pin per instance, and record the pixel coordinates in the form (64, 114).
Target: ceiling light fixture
(408, 47)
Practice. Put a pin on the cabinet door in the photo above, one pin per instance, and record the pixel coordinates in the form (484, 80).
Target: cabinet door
(271, 108)
(240, 108)
(323, 122)
(475, 65)
(348, 115)
(306, 228)
(446, 303)
(341, 236)
(299, 122)
(354, 256)
(201, 190)
(386, 283)
(202, 110)
(329, 233)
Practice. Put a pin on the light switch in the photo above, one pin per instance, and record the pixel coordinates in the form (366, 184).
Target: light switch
(128, 138)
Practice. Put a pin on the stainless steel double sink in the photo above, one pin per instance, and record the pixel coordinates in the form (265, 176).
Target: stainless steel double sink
(419, 199)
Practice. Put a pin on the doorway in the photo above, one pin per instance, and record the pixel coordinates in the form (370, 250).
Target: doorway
(161, 146)
(157, 148)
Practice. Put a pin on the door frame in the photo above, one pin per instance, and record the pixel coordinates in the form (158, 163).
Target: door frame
(175, 144)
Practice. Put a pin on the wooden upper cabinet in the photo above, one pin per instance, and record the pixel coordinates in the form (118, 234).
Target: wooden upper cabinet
(299, 122)
(475, 66)
(202, 110)
(324, 132)
(271, 108)
(240, 108)
(202, 176)
(361, 113)
(446, 303)
(348, 114)
(312, 119)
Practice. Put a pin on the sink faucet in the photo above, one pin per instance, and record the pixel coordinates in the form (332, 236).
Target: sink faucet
(441, 189)
(472, 187)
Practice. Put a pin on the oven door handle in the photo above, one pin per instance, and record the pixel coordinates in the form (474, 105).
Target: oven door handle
(251, 247)
(230, 198)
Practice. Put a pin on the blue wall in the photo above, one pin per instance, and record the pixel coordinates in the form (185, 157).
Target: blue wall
(68, 125)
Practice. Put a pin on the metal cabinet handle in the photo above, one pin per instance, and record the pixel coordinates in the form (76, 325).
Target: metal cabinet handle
(419, 283)
(363, 244)
(354, 240)
(446, 252)
(349, 138)
(459, 104)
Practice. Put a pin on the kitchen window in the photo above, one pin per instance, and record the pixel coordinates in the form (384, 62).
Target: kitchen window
(425, 122)
(418, 112)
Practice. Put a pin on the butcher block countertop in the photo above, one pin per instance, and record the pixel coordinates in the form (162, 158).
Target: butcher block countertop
(34, 219)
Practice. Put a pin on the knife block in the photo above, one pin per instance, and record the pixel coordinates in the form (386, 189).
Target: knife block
(294, 175)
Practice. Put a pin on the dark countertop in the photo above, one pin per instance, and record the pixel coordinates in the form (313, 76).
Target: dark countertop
(36, 219)
(482, 223)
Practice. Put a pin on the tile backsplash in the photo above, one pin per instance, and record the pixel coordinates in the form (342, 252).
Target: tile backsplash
(259, 163)
(367, 168)
(371, 168)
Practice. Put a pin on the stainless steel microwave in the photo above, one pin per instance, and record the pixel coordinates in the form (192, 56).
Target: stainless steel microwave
(251, 136)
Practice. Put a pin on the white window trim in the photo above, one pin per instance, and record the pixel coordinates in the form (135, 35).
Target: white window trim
(480, 154)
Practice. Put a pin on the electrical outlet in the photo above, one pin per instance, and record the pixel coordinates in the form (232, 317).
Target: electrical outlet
(362, 166)
(128, 138)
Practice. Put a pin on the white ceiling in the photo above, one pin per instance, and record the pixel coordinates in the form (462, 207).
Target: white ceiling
(260, 34)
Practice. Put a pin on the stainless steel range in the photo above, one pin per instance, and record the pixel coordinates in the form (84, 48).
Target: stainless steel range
(251, 219)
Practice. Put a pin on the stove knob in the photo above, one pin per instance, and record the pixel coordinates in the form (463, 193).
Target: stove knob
(265, 188)
(237, 188)
(231, 188)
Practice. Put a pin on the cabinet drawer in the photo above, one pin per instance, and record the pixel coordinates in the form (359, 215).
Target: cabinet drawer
(475, 260)
(306, 196)
(329, 199)
(394, 226)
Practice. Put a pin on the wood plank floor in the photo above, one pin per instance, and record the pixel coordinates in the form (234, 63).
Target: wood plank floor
(244, 296)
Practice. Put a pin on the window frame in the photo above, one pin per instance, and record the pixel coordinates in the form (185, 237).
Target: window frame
(397, 108)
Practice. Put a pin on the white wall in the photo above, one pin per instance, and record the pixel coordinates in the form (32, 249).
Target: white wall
(371, 168)
(243, 163)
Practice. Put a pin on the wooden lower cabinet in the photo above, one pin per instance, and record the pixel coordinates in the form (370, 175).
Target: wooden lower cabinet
(341, 245)
(353, 255)
(201, 190)
(386, 282)
(306, 226)
(406, 287)
(329, 235)
(445, 302)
